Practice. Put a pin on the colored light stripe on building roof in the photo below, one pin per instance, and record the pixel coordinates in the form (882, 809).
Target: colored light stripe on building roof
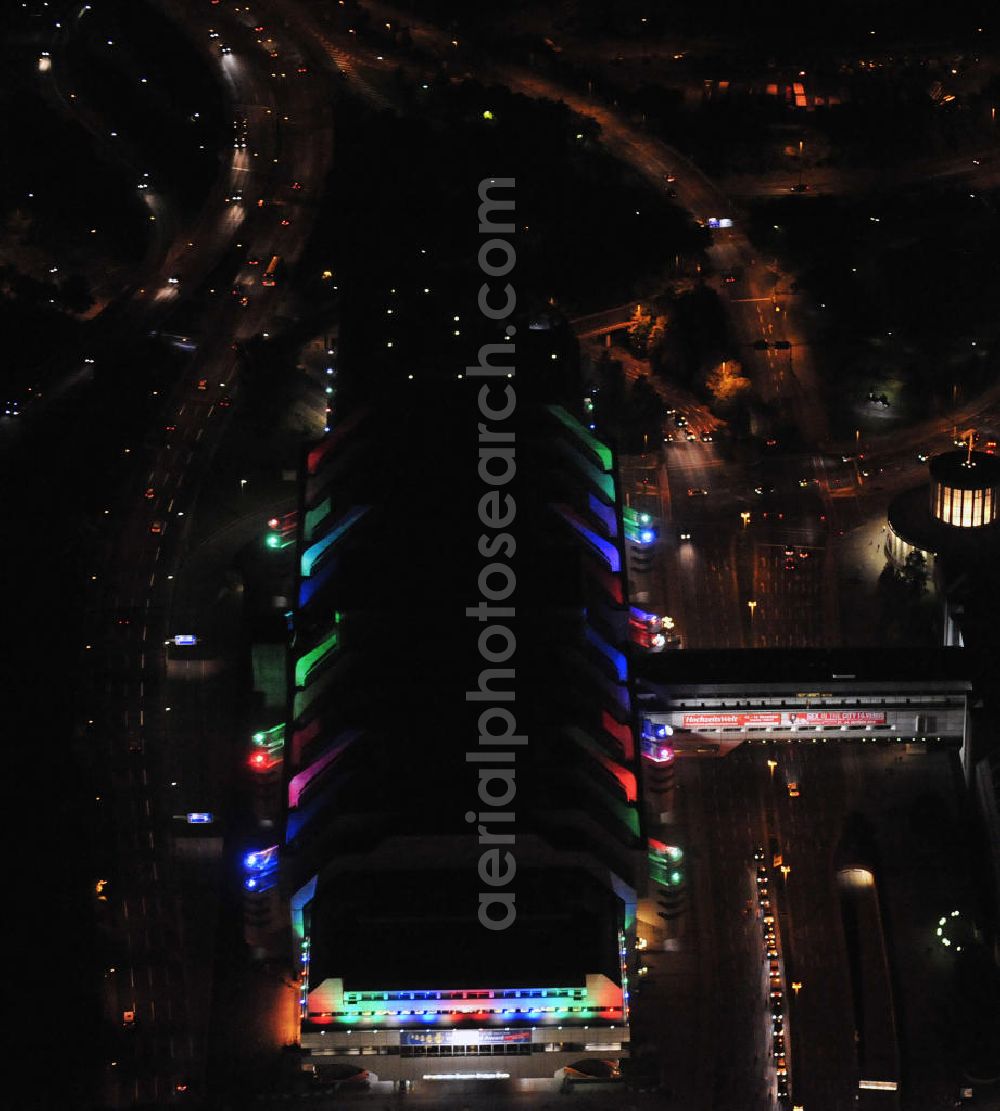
(305, 664)
(621, 733)
(619, 771)
(301, 781)
(298, 902)
(317, 514)
(315, 551)
(610, 653)
(602, 451)
(318, 455)
(605, 483)
(604, 513)
(310, 587)
(604, 548)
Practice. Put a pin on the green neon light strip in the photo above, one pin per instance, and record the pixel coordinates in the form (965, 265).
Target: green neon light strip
(603, 482)
(316, 515)
(305, 698)
(602, 451)
(305, 664)
(272, 739)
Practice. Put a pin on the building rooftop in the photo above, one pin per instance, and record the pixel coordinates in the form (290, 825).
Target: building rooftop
(805, 670)
(417, 929)
(962, 471)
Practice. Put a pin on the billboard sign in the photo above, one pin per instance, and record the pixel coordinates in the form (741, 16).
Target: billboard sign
(756, 719)
(766, 719)
(835, 717)
(463, 1037)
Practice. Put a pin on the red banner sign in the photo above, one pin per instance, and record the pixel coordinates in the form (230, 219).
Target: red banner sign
(767, 718)
(722, 721)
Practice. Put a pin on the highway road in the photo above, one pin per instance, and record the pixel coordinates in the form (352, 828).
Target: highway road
(161, 737)
(740, 804)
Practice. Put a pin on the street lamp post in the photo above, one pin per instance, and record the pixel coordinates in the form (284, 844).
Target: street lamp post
(800, 165)
(751, 606)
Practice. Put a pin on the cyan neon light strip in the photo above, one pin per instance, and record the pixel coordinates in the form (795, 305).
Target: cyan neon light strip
(604, 513)
(305, 664)
(313, 553)
(607, 551)
(617, 658)
(315, 515)
(301, 781)
(605, 483)
(299, 900)
(602, 451)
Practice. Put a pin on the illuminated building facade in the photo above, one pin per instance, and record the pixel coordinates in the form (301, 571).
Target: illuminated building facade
(382, 859)
(953, 515)
(964, 488)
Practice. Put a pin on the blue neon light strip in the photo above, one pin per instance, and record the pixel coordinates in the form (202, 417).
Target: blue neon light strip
(604, 513)
(608, 552)
(299, 818)
(310, 587)
(313, 553)
(617, 658)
